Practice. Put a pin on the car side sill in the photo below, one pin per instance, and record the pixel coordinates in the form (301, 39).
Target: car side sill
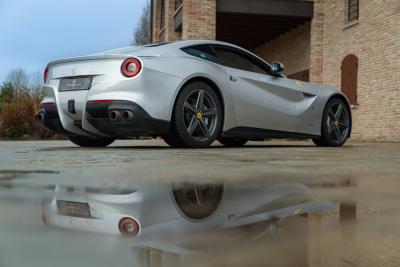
(258, 133)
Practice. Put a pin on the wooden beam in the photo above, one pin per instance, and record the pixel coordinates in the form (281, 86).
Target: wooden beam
(289, 8)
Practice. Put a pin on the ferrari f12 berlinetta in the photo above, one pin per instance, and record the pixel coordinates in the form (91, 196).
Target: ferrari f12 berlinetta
(190, 93)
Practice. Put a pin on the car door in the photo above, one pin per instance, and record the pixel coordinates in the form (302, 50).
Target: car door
(260, 100)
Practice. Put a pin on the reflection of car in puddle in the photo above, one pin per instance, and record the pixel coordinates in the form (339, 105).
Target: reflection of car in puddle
(176, 218)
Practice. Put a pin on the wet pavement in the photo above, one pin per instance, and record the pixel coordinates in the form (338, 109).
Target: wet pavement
(274, 203)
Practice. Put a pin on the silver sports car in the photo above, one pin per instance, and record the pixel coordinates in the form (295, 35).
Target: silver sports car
(190, 93)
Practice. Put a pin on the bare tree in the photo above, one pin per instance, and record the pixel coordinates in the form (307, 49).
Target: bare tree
(142, 34)
(18, 78)
(36, 81)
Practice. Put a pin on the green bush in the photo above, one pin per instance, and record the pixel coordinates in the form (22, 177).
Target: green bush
(7, 93)
(19, 102)
(17, 119)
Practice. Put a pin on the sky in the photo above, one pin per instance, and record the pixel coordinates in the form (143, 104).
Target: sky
(35, 32)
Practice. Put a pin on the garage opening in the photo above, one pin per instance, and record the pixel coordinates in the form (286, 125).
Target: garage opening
(272, 29)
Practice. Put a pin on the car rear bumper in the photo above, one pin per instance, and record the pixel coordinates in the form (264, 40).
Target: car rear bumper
(50, 117)
(140, 124)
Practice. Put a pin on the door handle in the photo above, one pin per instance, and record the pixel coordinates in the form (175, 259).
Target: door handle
(232, 79)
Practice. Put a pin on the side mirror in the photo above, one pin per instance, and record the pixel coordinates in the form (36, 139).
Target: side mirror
(277, 68)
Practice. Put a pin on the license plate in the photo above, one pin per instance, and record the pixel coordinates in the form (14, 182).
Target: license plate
(73, 84)
(76, 209)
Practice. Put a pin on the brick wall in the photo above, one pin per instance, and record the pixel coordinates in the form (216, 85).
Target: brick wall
(170, 33)
(291, 48)
(156, 21)
(167, 33)
(317, 42)
(375, 40)
(199, 19)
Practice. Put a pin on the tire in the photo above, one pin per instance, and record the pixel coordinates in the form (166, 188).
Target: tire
(233, 141)
(319, 142)
(198, 202)
(83, 141)
(172, 141)
(336, 124)
(197, 117)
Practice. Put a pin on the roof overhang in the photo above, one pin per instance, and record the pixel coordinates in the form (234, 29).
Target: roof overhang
(251, 23)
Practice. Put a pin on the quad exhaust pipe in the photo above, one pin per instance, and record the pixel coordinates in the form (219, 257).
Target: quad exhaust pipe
(40, 117)
(115, 115)
(121, 115)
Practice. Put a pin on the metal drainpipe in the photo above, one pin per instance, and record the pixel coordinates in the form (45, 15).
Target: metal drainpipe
(151, 21)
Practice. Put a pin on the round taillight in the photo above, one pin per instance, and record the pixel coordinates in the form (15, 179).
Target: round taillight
(131, 67)
(128, 227)
(46, 74)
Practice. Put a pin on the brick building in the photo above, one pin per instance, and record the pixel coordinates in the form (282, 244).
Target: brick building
(353, 45)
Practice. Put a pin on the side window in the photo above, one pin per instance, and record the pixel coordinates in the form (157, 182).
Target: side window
(202, 51)
(239, 60)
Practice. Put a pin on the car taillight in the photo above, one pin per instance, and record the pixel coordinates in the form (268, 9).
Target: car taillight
(131, 67)
(128, 227)
(46, 74)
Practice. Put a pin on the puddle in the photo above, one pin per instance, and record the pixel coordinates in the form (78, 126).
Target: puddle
(133, 205)
(47, 222)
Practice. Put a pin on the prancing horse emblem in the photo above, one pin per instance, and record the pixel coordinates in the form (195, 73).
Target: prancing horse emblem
(299, 84)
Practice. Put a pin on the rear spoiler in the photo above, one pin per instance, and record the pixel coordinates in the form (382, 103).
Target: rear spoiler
(86, 58)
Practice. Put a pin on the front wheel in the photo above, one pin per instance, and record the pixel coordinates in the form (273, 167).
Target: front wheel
(197, 118)
(83, 141)
(336, 124)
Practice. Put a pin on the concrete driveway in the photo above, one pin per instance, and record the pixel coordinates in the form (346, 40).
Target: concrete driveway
(151, 160)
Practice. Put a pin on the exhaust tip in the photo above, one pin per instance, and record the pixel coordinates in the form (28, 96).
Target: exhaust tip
(127, 115)
(114, 115)
(128, 227)
(123, 115)
(39, 117)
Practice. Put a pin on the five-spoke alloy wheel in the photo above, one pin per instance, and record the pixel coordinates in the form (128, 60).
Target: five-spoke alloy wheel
(198, 201)
(336, 124)
(197, 118)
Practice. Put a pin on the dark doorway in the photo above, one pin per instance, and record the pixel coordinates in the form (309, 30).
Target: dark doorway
(301, 76)
(349, 77)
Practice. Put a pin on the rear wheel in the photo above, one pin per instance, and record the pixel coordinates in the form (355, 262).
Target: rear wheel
(197, 118)
(336, 124)
(84, 141)
(198, 201)
(233, 141)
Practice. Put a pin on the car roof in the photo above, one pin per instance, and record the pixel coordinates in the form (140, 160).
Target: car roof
(165, 49)
(172, 48)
